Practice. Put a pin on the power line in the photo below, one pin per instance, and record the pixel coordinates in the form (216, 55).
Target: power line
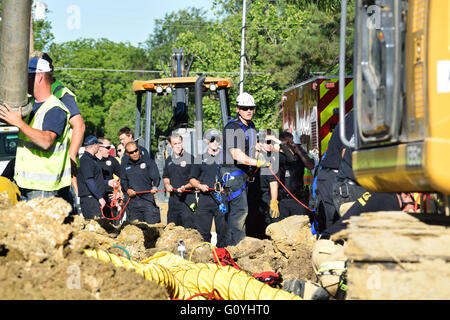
(156, 71)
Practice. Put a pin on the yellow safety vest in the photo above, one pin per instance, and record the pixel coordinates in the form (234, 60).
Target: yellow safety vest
(39, 169)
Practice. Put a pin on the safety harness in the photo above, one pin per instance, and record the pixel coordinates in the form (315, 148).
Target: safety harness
(223, 180)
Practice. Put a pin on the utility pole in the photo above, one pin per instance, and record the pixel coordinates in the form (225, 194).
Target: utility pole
(244, 13)
(38, 10)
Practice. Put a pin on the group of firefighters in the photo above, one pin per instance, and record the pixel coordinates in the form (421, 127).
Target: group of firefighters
(245, 180)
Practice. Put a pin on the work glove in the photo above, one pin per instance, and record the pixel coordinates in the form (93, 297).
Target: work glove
(274, 212)
(262, 161)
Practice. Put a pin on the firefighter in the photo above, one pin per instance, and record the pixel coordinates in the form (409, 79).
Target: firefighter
(203, 177)
(326, 213)
(345, 187)
(270, 189)
(90, 179)
(328, 257)
(238, 164)
(176, 173)
(110, 167)
(293, 160)
(140, 175)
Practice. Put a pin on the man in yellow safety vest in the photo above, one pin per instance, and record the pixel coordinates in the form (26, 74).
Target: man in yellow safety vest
(42, 167)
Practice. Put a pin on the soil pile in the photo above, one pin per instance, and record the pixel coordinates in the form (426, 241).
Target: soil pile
(42, 252)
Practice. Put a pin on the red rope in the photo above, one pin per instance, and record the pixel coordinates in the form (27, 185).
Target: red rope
(213, 295)
(270, 168)
(119, 216)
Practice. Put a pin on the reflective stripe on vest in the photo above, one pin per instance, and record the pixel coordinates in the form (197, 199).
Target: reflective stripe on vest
(39, 169)
(59, 90)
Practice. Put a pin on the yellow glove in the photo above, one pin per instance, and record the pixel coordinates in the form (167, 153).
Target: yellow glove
(274, 211)
(262, 162)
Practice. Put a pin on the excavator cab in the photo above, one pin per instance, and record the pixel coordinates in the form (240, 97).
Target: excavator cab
(401, 95)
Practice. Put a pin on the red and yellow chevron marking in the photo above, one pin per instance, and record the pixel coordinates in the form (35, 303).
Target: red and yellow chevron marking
(329, 100)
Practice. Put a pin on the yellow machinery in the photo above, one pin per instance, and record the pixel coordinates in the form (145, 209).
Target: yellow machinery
(180, 87)
(402, 95)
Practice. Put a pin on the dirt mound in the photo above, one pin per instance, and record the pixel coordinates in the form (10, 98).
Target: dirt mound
(42, 252)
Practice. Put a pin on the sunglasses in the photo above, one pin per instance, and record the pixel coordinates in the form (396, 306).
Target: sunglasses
(134, 151)
(119, 150)
(106, 147)
(247, 108)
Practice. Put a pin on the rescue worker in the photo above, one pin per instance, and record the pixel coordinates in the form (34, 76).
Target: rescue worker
(345, 187)
(372, 202)
(203, 177)
(238, 164)
(140, 174)
(177, 170)
(120, 152)
(270, 188)
(91, 184)
(76, 120)
(126, 135)
(42, 166)
(326, 213)
(110, 167)
(293, 160)
(328, 257)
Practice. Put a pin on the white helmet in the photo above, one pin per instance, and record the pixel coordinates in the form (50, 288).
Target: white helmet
(245, 100)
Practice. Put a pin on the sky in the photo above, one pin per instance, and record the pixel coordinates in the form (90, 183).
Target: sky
(116, 20)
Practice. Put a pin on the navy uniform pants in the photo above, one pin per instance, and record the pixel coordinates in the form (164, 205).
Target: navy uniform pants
(178, 211)
(207, 210)
(90, 207)
(327, 213)
(237, 207)
(143, 210)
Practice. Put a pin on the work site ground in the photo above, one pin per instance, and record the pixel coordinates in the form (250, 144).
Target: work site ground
(47, 254)
(43, 253)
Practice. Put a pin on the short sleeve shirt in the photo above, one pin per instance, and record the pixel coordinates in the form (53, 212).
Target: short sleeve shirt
(55, 119)
(236, 135)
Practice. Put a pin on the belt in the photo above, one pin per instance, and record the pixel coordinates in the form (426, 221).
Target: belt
(348, 181)
(330, 169)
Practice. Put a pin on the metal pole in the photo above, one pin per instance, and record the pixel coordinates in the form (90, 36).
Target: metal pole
(148, 119)
(244, 13)
(137, 121)
(342, 135)
(14, 52)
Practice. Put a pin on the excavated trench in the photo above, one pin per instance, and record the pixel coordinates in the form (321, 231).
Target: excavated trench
(42, 253)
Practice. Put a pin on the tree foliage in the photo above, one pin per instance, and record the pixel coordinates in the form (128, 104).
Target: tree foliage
(287, 42)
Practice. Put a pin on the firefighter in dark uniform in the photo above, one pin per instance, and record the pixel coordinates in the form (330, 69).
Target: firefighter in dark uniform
(238, 164)
(203, 177)
(345, 187)
(176, 174)
(293, 160)
(110, 167)
(140, 174)
(91, 185)
(270, 188)
(326, 213)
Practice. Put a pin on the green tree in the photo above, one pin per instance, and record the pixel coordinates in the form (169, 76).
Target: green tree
(98, 89)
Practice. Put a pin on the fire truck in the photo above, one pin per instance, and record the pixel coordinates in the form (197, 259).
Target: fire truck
(310, 112)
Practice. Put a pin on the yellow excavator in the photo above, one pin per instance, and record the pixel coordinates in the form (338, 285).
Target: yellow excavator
(182, 88)
(401, 144)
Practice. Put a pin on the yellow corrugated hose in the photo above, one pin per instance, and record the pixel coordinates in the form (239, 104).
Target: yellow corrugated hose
(185, 279)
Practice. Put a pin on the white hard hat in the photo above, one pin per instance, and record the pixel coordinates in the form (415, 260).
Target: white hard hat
(245, 100)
